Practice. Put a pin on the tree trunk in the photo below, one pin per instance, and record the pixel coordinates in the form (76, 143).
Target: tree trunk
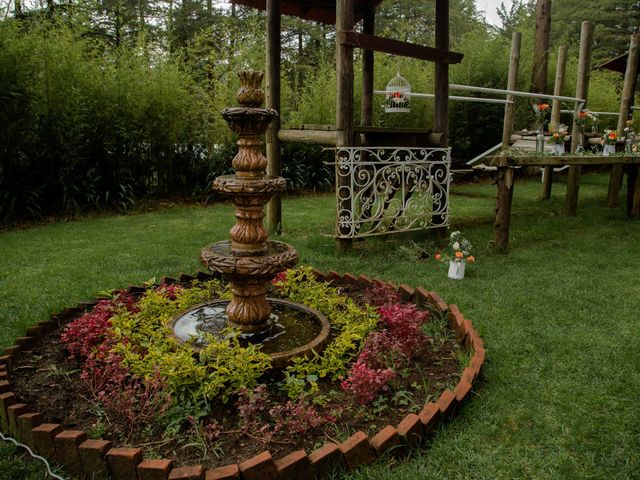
(541, 47)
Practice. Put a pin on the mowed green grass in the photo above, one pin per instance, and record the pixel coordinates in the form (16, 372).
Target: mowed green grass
(559, 314)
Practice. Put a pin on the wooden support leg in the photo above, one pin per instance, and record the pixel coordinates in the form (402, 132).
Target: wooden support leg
(633, 193)
(343, 244)
(615, 182)
(503, 207)
(547, 182)
(573, 187)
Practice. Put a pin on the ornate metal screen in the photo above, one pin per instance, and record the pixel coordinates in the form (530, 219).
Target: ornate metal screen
(382, 190)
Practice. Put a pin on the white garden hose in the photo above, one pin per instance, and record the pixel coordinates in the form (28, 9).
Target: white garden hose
(37, 457)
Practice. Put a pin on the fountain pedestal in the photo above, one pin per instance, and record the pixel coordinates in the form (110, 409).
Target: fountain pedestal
(250, 260)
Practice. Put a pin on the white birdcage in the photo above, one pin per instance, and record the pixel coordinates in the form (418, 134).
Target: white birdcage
(398, 95)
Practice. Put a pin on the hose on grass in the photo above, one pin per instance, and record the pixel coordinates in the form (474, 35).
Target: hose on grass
(37, 457)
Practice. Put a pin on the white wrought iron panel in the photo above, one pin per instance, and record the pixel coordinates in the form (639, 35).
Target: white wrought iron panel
(381, 190)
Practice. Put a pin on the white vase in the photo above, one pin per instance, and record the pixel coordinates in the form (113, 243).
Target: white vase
(456, 270)
(557, 148)
(608, 150)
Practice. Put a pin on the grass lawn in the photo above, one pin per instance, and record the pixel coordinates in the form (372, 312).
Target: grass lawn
(559, 315)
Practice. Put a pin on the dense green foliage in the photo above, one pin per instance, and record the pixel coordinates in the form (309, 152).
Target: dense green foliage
(106, 103)
(558, 314)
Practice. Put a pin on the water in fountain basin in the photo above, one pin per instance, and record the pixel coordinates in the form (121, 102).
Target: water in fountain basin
(290, 326)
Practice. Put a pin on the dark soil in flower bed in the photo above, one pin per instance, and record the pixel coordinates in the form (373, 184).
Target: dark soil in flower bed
(47, 380)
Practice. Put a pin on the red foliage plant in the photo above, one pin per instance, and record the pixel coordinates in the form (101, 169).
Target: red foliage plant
(366, 383)
(381, 294)
(82, 337)
(88, 339)
(394, 346)
(260, 415)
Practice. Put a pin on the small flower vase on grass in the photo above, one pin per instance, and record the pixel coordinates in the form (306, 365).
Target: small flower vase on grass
(456, 270)
(458, 255)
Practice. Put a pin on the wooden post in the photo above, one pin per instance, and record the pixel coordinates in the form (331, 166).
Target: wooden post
(344, 101)
(628, 90)
(368, 27)
(541, 47)
(441, 91)
(512, 84)
(504, 180)
(441, 87)
(503, 207)
(582, 91)
(633, 192)
(274, 151)
(555, 115)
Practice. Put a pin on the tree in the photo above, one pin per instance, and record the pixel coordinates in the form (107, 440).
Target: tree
(512, 20)
(614, 20)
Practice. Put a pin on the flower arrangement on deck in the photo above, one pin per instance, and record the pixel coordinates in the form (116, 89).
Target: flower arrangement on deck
(459, 250)
(610, 137)
(558, 133)
(540, 111)
(584, 115)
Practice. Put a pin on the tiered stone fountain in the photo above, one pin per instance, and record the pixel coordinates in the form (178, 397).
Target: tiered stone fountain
(250, 260)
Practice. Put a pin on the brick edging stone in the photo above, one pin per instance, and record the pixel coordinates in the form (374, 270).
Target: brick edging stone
(83, 458)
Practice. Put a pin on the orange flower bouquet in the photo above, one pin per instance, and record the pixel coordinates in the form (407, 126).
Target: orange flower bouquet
(610, 137)
(458, 250)
(458, 254)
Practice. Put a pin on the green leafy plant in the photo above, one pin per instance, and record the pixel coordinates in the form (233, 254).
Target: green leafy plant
(350, 325)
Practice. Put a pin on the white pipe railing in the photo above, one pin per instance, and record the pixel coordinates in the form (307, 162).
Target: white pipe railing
(452, 97)
(515, 93)
(475, 160)
(595, 113)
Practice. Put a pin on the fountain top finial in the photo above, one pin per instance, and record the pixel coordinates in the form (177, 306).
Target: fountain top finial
(250, 93)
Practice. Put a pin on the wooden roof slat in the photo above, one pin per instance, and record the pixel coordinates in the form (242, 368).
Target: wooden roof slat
(395, 47)
(323, 11)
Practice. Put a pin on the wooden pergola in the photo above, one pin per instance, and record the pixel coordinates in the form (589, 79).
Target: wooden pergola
(346, 14)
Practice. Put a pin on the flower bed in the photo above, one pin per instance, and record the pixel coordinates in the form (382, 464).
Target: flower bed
(370, 376)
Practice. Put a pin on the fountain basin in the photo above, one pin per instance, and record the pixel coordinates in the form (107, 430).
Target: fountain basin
(292, 330)
(263, 185)
(275, 257)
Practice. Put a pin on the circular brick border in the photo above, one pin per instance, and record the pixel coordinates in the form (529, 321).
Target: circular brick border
(88, 459)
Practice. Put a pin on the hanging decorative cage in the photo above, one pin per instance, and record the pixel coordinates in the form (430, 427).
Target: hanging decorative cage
(398, 95)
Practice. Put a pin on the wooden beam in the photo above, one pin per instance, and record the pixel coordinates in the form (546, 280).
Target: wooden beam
(317, 137)
(582, 91)
(274, 150)
(396, 47)
(561, 66)
(628, 89)
(559, 160)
